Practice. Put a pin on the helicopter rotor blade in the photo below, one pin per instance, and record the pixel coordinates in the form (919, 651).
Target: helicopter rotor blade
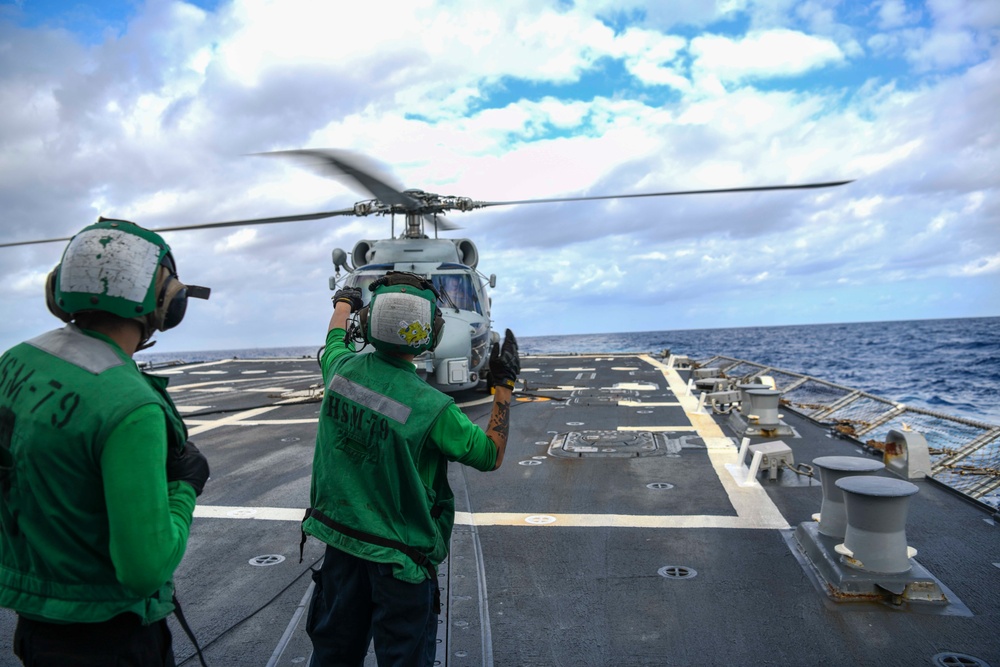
(756, 188)
(17, 243)
(213, 225)
(440, 223)
(341, 163)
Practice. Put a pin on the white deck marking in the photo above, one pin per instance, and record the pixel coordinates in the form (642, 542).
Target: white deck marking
(657, 429)
(478, 401)
(189, 367)
(252, 422)
(646, 404)
(632, 386)
(184, 409)
(241, 514)
(612, 520)
(210, 383)
(229, 420)
(523, 519)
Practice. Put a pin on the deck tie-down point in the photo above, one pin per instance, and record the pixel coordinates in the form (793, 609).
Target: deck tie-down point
(855, 549)
(770, 456)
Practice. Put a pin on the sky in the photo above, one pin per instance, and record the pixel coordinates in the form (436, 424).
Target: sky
(152, 110)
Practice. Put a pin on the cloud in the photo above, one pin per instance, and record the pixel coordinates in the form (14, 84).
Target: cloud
(895, 14)
(762, 55)
(155, 117)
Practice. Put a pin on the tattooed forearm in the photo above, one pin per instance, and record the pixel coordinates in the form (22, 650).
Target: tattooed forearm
(500, 423)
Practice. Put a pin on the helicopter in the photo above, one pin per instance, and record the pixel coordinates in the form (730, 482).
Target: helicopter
(459, 361)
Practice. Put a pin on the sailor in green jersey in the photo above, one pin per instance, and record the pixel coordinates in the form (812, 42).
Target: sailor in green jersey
(97, 477)
(380, 497)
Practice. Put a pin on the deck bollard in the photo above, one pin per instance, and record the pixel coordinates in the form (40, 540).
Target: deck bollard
(744, 398)
(764, 404)
(832, 515)
(875, 539)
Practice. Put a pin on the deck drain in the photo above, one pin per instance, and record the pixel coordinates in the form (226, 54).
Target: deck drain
(540, 519)
(676, 572)
(950, 659)
(291, 439)
(529, 463)
(660, 485)
(267, 559)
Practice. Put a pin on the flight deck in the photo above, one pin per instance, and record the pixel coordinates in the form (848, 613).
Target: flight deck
(621, 530)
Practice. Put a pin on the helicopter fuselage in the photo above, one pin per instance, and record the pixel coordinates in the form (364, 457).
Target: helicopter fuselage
(459, 359)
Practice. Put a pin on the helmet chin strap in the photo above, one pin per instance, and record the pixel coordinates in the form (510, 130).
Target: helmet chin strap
(145, 345)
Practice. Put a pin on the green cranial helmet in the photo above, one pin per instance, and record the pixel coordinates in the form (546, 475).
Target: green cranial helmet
(403, 314)
(117, 267)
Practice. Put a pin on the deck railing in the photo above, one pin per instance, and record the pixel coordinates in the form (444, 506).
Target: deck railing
(965, 454)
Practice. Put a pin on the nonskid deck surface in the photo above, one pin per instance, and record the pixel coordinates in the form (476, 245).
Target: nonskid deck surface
(614, 534)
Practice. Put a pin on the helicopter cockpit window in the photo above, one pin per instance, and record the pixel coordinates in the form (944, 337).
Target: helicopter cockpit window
(456, 291)
(362, 281)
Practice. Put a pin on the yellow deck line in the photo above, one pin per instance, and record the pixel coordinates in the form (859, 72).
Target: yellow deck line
(751, 502)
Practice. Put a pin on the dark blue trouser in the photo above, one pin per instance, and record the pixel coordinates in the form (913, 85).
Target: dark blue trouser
(122, 641)
(356, 600)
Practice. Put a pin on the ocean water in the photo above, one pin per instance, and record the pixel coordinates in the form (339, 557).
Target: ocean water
(952, 365)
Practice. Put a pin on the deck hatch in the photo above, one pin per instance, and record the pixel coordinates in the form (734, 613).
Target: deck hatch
(613, 444)
(602, 396)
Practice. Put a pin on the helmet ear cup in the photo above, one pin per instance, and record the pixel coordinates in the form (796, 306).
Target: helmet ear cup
(171, 298)
(50, 296)
(437, 328)
(363, 322)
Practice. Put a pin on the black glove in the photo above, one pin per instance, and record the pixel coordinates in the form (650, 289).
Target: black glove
(188, 465)
(349, 295)
(505, 363)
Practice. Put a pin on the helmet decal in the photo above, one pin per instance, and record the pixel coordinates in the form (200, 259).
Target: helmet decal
(401, 320)
(110, 262)
(415, 333)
